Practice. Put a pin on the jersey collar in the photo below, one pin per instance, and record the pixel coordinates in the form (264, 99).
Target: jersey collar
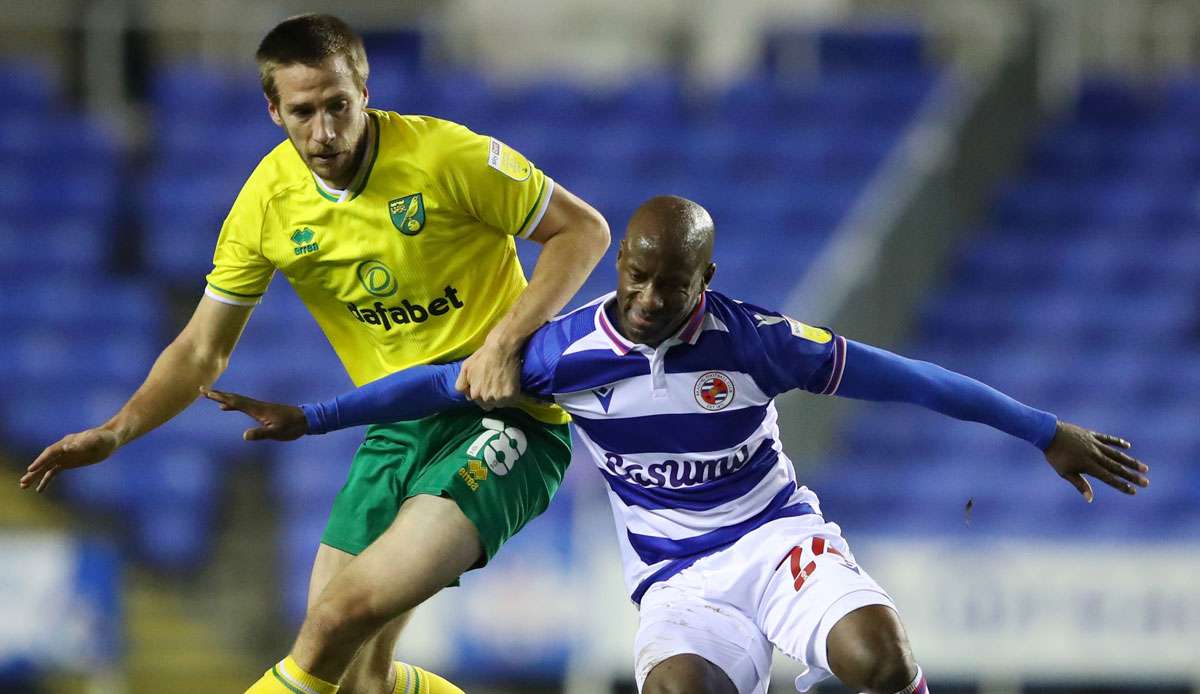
(688, 333)
(359, 183)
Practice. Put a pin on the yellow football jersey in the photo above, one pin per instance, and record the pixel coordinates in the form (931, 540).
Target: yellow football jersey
(412, 264)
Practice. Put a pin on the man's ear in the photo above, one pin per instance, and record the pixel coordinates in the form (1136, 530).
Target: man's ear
(708, 273)
(273, 110)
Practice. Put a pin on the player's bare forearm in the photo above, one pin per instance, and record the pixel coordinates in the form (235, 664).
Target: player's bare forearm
(172, 384)
(197, 357)
(574, 237)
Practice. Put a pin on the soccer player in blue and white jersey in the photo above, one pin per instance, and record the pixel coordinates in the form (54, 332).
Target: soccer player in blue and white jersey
(671, 388)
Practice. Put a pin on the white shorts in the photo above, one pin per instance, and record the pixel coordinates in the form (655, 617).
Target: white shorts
(783, 585)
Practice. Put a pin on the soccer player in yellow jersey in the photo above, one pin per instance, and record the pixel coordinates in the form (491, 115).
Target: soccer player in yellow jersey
(397, 233)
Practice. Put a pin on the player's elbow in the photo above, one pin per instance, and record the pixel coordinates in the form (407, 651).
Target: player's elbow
(593, 231)
(204, 362)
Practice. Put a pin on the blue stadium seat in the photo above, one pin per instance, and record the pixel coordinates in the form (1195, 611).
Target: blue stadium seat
(1079, 297)
(1111, 103)
(28, 86)
(222, 92)
(458, 95)
(649, 100)
(67, 242)
(175, 537)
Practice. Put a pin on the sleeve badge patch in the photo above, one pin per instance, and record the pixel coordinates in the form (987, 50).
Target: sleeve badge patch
(808, 332)
(504, 159)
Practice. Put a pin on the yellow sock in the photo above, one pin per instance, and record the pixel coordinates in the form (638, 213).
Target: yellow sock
(286, 677)
(411, 679)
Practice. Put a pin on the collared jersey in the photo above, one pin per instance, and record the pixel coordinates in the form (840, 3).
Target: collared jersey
(413, 264)
(685, 434)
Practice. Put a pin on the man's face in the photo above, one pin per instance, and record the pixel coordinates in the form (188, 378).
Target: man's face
(322, 110)
(657, 288)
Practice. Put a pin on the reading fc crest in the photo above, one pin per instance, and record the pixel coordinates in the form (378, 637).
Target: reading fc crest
(713, 391)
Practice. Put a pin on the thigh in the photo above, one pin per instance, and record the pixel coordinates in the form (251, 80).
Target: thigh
(687, 673)
(676, 620)
(428, 545)
(816, 582)
(501, 468)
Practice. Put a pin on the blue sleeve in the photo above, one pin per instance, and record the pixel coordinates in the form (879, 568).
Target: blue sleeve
(409, 394)
(787, 354)
(871, 373)
(420, 391)
(539, 360)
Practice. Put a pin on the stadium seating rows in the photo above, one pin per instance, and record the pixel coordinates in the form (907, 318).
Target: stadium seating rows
(1077, 295)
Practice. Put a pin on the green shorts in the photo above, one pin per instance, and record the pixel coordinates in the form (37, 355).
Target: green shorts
(501, 468)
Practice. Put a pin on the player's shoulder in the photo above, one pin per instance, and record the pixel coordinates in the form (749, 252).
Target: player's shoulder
(742, 318)
(420, 130)
(428, 142)
(563, 331)
(735, 313)
(280, 171)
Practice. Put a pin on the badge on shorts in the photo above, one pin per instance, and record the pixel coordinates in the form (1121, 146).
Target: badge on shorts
(408, 214)
(502, 158)
(501, 446)
(713, 391)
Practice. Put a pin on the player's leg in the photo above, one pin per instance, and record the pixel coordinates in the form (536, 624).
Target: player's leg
(868, 650)
(429, 544)
(815, 587)
(687, 673)
(372, 671)
(481, 478)
(690, 641)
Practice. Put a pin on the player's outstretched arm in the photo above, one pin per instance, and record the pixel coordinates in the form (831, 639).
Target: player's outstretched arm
(574, 237)
(413, 393)
(196, 357)
(875, 374)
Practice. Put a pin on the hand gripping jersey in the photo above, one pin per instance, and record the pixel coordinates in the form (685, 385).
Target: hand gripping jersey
(685, 434)
(413, 264)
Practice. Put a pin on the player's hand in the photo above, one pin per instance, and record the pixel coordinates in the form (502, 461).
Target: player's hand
(491, 377)
(1076, 452)
(80, 449)
(276, 422)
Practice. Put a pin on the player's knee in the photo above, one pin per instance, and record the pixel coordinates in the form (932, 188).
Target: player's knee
(687, 674)
(345, 620)
(869, 650)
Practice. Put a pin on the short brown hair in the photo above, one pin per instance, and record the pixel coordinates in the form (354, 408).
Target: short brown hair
(309, 39)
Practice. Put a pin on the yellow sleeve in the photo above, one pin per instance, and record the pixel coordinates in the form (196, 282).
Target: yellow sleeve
(241, 272)
(493, 182)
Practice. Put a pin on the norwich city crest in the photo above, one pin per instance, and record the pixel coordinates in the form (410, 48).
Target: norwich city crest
(408, 214)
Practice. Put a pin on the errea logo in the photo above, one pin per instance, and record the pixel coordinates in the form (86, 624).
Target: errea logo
(303, 238)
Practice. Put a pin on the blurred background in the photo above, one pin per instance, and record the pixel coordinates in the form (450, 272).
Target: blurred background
(1008, 188)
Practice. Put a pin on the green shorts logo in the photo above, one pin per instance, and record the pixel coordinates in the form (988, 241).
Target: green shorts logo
(408, 214)
(376, 278)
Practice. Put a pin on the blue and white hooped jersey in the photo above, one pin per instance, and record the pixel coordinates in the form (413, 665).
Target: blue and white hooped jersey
(685, 434)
